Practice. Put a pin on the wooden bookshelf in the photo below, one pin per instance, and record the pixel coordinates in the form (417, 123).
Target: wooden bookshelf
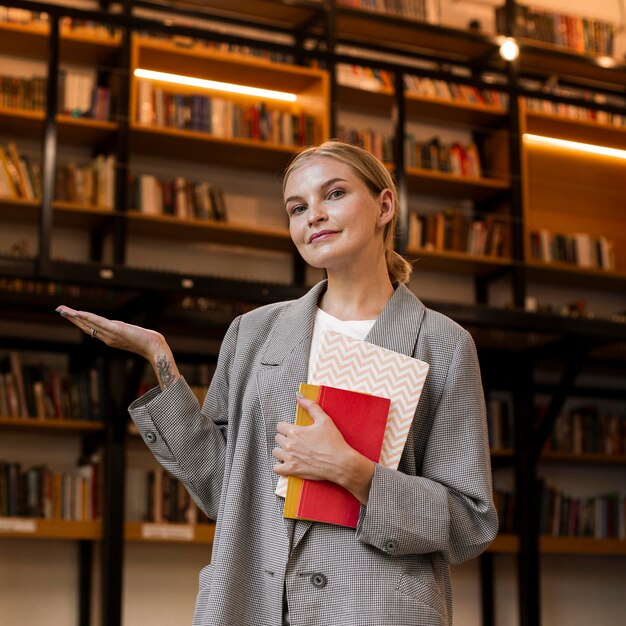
(505, 544)
(453, 112)
(33, 528)
(169, 532)
(582, 458)
(84, 45)
(444, 184)
(458, 262)
(509, 544)
(61, 425)
(65, 214)
(226, 233)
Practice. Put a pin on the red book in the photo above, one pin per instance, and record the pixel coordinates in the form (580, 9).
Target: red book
(361, 419)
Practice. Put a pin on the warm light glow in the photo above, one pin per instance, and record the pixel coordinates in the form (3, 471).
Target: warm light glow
(216, 85)
(575, 145)
(607, 62)
(509, 50)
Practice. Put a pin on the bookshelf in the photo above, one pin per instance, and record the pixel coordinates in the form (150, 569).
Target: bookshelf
(494, 193)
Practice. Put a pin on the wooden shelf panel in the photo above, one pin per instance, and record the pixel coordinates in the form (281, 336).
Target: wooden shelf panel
(567, 274)
(73, 130)
(582, 458)
(550, 59)
(78, 46)
(32, 528)
(171, 227)
(380, 102)
(169, 532)
(442, 184)
(195, 146)
(369, 27)
(65, 214)
(584, 131)
(460, 262)
(439, 110)
(582, 545)
(200, 62)
(509, 544)
(33, 424)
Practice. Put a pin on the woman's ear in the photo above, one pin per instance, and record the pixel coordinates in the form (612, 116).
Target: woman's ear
(386, 201)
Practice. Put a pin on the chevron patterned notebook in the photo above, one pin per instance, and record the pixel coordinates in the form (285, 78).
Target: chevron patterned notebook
(357, 365)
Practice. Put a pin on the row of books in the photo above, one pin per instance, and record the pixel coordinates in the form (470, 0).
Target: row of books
(20, 177)
(580, 34)
(561, 515)
(193, 43)
(572, 111)
(37, 391)
(433, 154)
(169, 501)
(222, 118)
(422, 10)
(14, 15)
(27, 94)
(45, 494)
(92, 184)
(500, 423)
(180, 197)
(80, 96)
(578, 249)
(600, 517)
(429, 88)
(371, 140)
(454, 231)
(585, 429)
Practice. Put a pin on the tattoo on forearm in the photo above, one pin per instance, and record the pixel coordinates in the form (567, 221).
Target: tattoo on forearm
(164, 370)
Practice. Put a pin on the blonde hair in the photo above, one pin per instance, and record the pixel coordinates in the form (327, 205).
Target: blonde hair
(376, 178)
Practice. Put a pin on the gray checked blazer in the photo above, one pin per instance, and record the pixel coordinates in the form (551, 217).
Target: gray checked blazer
(436, 510)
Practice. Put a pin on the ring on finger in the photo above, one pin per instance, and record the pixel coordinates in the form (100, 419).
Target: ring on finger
(94, 332)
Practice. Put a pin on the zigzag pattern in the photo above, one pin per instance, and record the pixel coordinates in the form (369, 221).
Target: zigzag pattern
(361, 366)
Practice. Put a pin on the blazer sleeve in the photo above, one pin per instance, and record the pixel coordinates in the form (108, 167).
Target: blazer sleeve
(449, 508)
(188, 442)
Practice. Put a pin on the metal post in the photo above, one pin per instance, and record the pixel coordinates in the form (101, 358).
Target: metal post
(399, 120)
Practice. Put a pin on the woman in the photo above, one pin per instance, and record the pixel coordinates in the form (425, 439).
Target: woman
(436, 509)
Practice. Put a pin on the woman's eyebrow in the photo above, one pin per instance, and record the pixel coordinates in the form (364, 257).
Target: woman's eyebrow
(323, 187)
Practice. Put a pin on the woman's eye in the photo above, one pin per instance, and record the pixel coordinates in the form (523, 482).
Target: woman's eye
(335, 193)
(299, 208)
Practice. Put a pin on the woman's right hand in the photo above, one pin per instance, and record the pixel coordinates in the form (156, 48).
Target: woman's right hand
(147, 343)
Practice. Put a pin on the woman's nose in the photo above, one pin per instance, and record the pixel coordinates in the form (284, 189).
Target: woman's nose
(317, 212)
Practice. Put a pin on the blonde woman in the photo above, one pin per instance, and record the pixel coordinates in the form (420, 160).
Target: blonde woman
(435, 510)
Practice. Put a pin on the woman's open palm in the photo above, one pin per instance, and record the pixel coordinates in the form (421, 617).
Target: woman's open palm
(114, 333)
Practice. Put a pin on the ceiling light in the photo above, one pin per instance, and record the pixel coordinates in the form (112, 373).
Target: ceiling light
(509, 50)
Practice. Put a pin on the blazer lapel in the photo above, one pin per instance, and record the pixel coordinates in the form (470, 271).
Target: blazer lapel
(284, 365)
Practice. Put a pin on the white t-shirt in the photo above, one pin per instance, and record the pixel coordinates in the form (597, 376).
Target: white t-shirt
(357, 329)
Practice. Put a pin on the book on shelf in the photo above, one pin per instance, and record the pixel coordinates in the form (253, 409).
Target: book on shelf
(576, 112)
(178, 197)
(364, 77)
(579, 249)
(221, 117)
(446, 90)
(20, 177)
(361, 419)
(433, 154)
(168, 501)
(24, 94)
(580, 34)
(585, 429)
(379, 145)
(419, 10)
(37, 391)
(452, 230)
(40, 492)
(500, 422)
(92, 184)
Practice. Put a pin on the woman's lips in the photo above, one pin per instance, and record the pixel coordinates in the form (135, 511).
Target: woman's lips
(322, 234)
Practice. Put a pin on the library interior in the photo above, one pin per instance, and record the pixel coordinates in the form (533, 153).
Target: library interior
(142, 147)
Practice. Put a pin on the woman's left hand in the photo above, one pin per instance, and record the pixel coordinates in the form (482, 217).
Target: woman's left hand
(319, 452)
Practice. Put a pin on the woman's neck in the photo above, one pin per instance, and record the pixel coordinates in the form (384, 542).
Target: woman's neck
(356, 297)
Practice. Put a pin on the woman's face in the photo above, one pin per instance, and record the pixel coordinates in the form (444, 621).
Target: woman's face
(334, 220)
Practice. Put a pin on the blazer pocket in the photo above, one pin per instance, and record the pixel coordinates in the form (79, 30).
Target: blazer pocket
(422, 591)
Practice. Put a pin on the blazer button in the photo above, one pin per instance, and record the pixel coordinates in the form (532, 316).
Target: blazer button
(319, 580)
(150, 437)
(391, 545)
